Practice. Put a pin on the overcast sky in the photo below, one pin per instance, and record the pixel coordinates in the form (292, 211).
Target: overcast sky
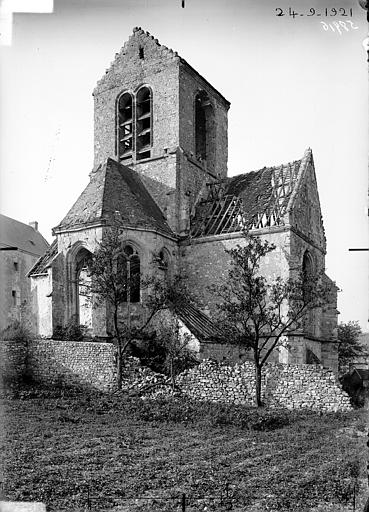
(291, 83)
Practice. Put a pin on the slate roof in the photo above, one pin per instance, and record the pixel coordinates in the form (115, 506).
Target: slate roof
(115, 192)
(21, 237)
(254, 200)
(198, 323)
(41, 265)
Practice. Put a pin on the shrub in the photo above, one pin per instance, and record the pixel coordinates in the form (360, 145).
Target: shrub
(157, 353)
(71, 332)
(16, 332)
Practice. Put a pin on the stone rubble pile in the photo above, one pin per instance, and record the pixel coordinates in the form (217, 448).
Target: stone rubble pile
(139, 378)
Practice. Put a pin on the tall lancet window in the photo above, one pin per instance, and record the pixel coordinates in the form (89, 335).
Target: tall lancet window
(308, 283)
(125, 126)
(143, 123)
(204, 130)
(129, 266)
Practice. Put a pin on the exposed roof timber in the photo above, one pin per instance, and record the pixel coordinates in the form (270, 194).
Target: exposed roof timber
(256, 200)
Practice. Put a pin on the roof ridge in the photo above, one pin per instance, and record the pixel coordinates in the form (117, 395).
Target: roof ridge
(131, 173)
(15, 233)
(266, 168)
(308, 154)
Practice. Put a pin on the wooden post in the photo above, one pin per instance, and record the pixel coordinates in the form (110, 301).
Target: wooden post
(88, 497)
(183, 502)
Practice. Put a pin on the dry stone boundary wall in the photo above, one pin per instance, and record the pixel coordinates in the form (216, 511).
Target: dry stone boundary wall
(80, 364)
(12, 359)
(290, 386)
(92, 365)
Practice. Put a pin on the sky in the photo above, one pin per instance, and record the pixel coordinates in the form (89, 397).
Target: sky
(293, 82)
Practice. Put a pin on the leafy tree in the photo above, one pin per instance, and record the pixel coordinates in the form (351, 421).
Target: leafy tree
(108, 283)
(257, 313)
(175, 347)
(349, 346)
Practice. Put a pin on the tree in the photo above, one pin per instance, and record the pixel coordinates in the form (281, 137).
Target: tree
(349, 346)
(259, 314)
(177, 355)
(114, 279)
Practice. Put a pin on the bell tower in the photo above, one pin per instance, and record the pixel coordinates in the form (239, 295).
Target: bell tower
(156, 114)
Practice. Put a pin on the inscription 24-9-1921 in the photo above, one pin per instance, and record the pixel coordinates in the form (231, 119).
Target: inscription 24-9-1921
(328, 11)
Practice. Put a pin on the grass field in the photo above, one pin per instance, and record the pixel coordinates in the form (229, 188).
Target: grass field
(130, 454)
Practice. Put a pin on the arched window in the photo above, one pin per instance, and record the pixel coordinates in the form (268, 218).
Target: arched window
(163, 261)
(134, 124)
(204, 129)
(83, 310)
(143, 123)
(307, 275)
(129, 266)
(308, 282)
(125, 126)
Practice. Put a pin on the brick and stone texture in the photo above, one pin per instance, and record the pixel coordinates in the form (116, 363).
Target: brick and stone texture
(80, 364)
(205, 262)
(12, 359)
(290, 386)
(93, 366)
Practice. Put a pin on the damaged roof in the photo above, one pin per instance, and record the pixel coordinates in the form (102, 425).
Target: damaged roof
(115, 192)
(198, 323)
(253, 200)
(41, 265)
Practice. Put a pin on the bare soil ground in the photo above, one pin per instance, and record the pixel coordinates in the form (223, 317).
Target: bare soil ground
(81, 451)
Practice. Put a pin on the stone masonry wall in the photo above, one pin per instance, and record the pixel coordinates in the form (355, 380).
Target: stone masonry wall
(12, 359)
(205, 261)
(76, 364)
(158, 69)
(290, 386)
(81, 364)
(92, 365)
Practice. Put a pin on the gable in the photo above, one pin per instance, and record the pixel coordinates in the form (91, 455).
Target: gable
(140, 56)
(304, 209)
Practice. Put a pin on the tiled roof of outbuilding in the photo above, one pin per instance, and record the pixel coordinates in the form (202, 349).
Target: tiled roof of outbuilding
(41, 265)
(253, 200)
(198, 323)
(21, 236)
(115, 192)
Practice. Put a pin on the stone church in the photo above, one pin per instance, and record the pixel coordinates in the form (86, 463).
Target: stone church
(161, 146)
